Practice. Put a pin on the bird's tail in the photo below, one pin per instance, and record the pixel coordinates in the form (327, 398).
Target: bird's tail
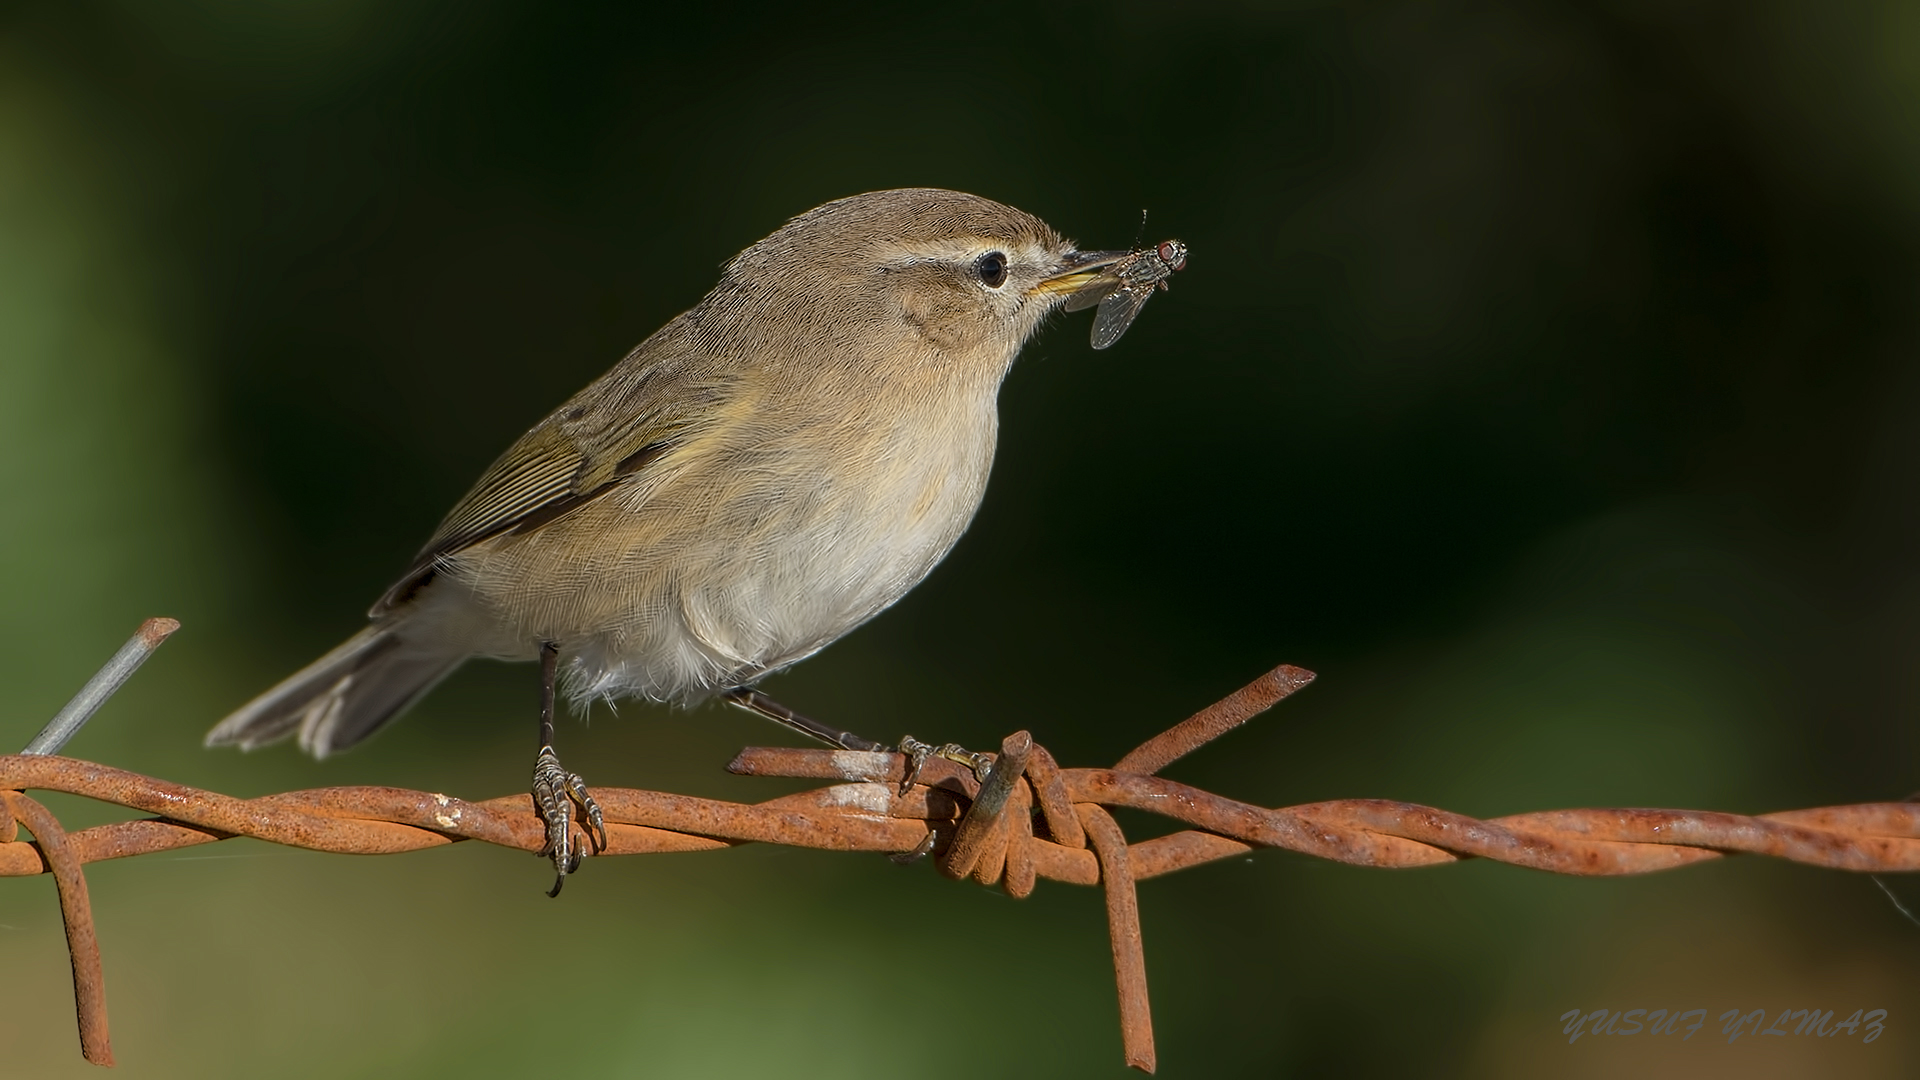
(343, 697)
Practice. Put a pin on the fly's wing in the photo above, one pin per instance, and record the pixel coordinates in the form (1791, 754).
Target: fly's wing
(626, 420)
(1115, 277)
(1091, 293)
(1117, 312)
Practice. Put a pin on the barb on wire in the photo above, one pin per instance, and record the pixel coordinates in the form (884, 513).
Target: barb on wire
(76, 911)
(1030, 819)
(67, 722)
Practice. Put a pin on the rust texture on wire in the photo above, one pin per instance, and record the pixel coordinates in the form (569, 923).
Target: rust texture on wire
(1028, 819)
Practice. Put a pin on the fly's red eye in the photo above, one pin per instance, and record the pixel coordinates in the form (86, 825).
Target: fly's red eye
(1166, 251)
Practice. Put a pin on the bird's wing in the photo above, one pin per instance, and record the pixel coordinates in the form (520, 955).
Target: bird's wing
(628, 419)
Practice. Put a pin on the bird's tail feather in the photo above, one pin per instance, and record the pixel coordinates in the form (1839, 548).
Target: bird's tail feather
(341, 698)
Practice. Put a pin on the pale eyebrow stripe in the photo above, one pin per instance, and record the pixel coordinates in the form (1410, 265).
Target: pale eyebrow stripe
(958, 250)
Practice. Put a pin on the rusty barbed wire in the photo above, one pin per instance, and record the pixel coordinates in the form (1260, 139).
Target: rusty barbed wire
(1027, 819)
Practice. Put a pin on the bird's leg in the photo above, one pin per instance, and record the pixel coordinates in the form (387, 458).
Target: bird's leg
(918, 753)
(555, 790)
(746, 697)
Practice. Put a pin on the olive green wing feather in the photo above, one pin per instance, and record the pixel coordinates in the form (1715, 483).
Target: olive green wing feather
(628, 419)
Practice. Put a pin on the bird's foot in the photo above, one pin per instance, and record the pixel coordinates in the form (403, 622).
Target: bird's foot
(555, 792)
(919, 753)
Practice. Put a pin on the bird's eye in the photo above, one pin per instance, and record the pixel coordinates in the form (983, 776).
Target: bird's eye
(991, 269)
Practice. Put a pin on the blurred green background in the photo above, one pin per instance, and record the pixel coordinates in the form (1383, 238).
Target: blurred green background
(1544, 377)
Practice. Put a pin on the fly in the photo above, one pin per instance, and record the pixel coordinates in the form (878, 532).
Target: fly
(1125, 288)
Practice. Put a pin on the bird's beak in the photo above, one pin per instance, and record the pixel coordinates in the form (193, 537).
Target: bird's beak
(1078, 270)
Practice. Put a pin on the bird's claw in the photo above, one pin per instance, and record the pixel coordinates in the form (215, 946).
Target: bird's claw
(919, 753)
(919, 851)
(555, 792)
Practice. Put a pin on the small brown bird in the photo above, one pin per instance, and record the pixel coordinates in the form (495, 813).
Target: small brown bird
(766, 472)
